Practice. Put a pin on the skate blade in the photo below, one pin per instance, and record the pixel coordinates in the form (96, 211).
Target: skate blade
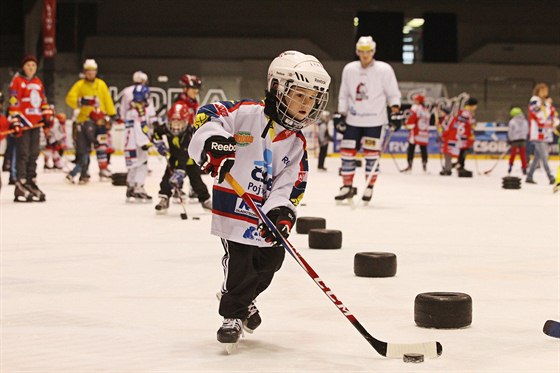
(247, 329)
(231, 347)
(161, 212)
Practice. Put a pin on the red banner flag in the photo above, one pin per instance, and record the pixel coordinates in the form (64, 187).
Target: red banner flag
(49, 28)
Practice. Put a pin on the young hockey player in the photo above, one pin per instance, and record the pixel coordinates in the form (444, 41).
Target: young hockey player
(191, 87)
(136, 145)
(542, 116)
(28, 107)
(88, 94)
(518, 129)
(55, 137)
(261, 145)
(366, 87)
(458, 138)
(98, 119)
(418, 125)
(179, 164)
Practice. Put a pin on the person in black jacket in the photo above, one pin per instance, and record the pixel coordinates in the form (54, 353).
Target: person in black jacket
(178, 132)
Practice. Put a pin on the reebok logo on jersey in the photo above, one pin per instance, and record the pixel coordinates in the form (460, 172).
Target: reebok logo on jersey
(223, 147)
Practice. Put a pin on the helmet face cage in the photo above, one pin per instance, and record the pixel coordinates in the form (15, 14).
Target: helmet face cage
(284, 94)
(177, 126)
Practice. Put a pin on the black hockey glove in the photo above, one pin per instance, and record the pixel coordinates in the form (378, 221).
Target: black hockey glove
(396, 120)
(283, 218)
(339, 122)
(218, 156)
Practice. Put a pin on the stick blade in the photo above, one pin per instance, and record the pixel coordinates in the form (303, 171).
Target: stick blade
(428, 349)
(183, 216)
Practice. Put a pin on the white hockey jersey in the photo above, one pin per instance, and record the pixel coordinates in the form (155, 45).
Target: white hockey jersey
(126, 100)
(136, 135)
(365, 93)
(273, 170)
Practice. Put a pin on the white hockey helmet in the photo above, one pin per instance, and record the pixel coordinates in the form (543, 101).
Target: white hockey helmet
(90, 64)
(365, 43)
(139, 77)
(292, 69)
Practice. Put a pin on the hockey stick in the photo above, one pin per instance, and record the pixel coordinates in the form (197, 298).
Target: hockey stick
(184, 215)
(27, 128)
(383, 149)
(497, 161)
(391, 350)
(552, 328)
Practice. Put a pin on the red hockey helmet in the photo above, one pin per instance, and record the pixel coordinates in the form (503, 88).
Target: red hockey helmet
(97, 116)
(190, 81)
(177, 118)
(419, 98)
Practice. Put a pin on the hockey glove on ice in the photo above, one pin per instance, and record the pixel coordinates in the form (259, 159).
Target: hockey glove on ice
(283, 218)
(161, 147)
(176, 180)
(218, 156)
(396, 120)
(339, 122)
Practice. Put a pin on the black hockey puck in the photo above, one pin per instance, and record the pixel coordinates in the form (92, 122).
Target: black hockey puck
(305, 223)
(413, 358)
(196, 218)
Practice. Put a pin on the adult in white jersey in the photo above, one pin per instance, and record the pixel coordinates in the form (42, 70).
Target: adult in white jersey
(366, 88)
(261, 145)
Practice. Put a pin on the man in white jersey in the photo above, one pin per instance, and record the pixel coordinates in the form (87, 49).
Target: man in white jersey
(367, 87)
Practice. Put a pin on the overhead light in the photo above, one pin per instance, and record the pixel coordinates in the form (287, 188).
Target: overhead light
(415, 22)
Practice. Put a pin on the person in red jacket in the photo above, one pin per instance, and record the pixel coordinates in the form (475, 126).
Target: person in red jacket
(418, 124)
(458, 138)
(4, 124)
(28, 110)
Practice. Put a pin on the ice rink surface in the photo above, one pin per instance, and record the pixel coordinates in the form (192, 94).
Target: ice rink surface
(92, 284)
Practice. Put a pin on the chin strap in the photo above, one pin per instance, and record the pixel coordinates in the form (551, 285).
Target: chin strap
(270, 110)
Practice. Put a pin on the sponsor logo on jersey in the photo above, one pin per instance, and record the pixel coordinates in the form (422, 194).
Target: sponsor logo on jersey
(243, 138)
(251, 233)
(200, 119)
(243, 209)
(295, 201)
(221, 109)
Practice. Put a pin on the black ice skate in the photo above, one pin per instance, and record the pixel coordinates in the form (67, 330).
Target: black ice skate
(407, 170)
(84, 179)
(192, 194)
(253, 319)
(346, 192)
(105, 174)
(229, 333)
(207, 204)
(163, 205)
(368, 193)
(141, 195)
(130, 194)
(21, 193)
(424, 167)
(37, 194)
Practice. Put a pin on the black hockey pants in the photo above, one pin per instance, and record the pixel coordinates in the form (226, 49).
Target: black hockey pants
(27, 152)
(248, 271)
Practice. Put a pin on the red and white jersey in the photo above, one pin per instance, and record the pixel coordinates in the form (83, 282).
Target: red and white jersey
(365, 93)
(4, 126)
(458, 134)
(27, 98)
(418, 125)
(542, 116)
(272, 169)
(192, 106)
